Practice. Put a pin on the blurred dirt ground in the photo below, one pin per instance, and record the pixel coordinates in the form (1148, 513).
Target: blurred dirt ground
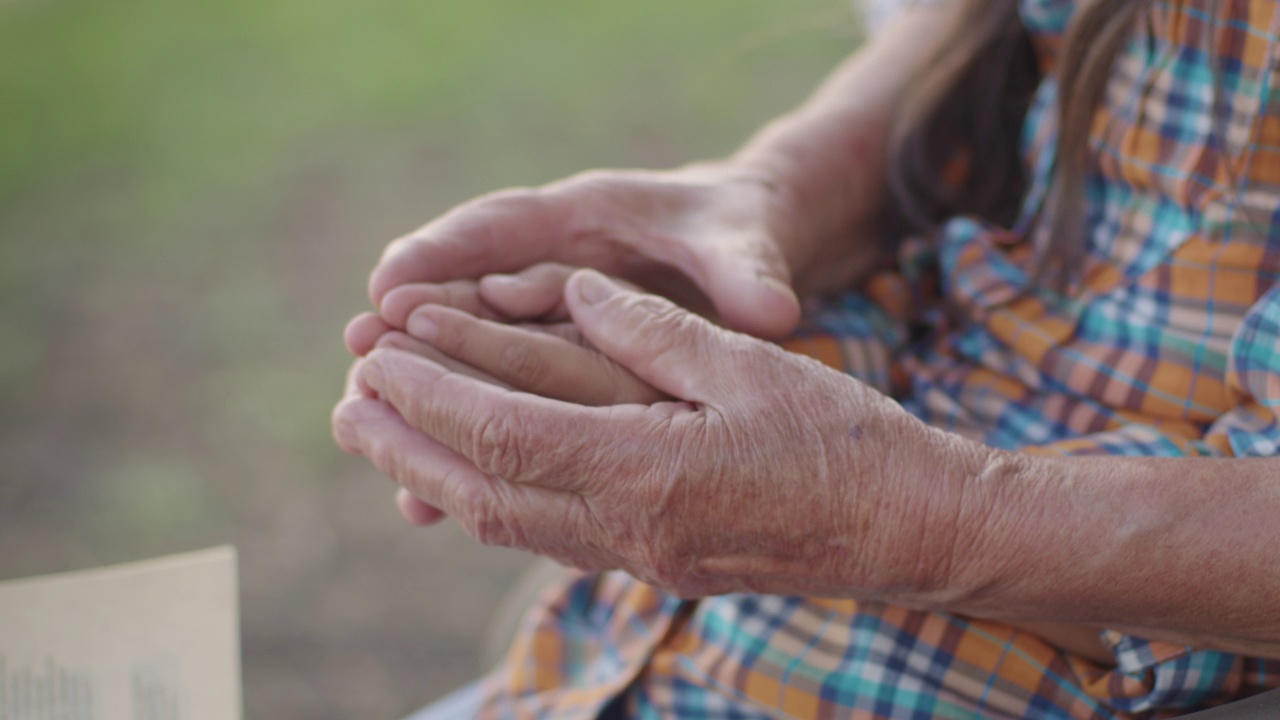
(191, 196)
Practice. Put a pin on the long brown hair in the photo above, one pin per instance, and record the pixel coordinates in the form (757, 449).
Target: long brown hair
(974, 98)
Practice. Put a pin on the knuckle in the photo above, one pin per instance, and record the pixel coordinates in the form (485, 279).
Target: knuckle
(490, 529)
(453, 336)
(405, 396)
(482, 518)
(590, 180)
(514, 195)
(392, 463)
(470, 502)
(524, 365)
(656, 319)
(480, 205)
(601, 185)
(494, 448)
(665, 318)
(657, 308)
(508, 203)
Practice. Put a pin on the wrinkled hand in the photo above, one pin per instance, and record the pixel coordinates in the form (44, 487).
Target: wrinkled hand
(770, 473)
(476, 332)
(473, 327)
(532, 298)
(711, 237)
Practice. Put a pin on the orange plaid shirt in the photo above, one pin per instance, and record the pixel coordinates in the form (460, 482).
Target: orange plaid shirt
(1170, 347)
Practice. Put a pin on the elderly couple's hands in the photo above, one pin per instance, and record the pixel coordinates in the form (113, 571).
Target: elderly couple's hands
(772, 473)
(712, 236)
(713, 461)
(715, 238)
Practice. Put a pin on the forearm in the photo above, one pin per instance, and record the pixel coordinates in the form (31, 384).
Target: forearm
(1182, 550)
(828, 158)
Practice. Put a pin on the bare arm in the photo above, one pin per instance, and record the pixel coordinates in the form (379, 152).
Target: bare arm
(828, 158)
(794, 209)
(1181, 550)
(876, 505)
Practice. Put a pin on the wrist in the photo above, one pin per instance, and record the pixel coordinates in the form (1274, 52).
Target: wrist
(925, 535)
(829, 189)
(1041, 531)
(992, 511)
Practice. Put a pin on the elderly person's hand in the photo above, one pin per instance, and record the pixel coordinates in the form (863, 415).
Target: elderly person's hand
(769, 472)
(719, 238)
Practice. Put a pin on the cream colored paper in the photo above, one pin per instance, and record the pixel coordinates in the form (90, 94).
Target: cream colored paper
(154, 640)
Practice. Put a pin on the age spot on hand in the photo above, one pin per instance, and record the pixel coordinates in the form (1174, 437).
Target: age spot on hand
(856, 433)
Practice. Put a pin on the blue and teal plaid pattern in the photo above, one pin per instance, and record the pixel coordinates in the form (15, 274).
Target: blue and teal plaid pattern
(1170, 346)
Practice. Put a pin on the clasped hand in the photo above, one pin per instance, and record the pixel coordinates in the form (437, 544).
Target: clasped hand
(620, 430)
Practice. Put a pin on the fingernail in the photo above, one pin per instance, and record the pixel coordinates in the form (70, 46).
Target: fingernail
(423, 327)
(374, 375)
(595, 288)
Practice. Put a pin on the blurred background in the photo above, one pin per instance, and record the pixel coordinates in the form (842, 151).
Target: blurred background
(191, 197)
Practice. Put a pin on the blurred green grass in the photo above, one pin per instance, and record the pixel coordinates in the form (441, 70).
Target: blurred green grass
(191, 195)
(187, 98)
(126, 123)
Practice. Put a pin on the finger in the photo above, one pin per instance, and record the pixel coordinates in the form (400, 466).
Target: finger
(419, 512)
(537, 363)
(516, 436)
(356, 386)
(566, 331)
(426, 468)
(750, 284)
(400, 341)
(416, 511)
(669, 348)
(536, 292)
(354, 383)
(492, 511)
(502, 232)
(363, 331)
(461, 294)
(532, 293)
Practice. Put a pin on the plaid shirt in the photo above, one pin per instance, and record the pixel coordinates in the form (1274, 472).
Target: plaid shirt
(1169, 347)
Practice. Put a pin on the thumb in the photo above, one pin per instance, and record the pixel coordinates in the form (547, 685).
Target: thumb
(672, 349)
(750, 287)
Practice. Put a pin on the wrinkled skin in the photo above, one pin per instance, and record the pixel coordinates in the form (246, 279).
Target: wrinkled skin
(713, 237)
(768, 472)
(473, 329)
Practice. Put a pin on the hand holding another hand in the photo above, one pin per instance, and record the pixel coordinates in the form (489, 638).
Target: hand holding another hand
(469, 327)
(717, 238)
(768, 472)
